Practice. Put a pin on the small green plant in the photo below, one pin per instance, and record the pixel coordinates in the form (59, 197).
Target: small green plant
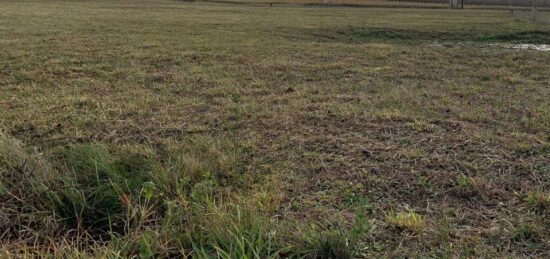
(361, 226)
(245, 244)
(444, 229)
(389, 114)
(528, 149)
(524, 233)
(145, 250)
(538, 201)
(467, 186)
(422, 126)
(328, 245)
(233, 232)
(338, 241)
(407, 221)
(464, 181)
(355, 199)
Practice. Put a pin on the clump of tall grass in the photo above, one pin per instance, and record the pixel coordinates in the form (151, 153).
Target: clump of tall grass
(203, 229)
(98, 186)
(329, 244)
(25, 180)
(233, 232)
(335, 240)
(92, 200)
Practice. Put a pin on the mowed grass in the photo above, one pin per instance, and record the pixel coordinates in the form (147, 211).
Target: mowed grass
(173, 129)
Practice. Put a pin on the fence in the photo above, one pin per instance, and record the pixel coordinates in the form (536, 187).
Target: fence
(524, 3)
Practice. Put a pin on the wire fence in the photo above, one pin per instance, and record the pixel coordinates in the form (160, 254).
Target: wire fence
(518, 8)
(518, 3)
(544, 5)
(542, 16)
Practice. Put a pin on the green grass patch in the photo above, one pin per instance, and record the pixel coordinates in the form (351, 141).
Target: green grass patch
(407, 221)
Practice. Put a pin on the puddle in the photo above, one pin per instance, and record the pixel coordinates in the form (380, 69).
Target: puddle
(537, 47)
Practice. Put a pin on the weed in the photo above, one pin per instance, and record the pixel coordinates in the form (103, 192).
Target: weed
(389, 114)
(533, 150)
(407, 221)
(341, 242)
(538, 201)
(422, 126)
(525, 233)
(444, 230)
(233, 232)
(467, 186)
(327, 245)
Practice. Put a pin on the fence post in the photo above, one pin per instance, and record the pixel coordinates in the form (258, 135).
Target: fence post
(453, 4)
(533, 15)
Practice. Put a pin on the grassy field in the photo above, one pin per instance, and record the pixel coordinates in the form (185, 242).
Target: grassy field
(172, 129)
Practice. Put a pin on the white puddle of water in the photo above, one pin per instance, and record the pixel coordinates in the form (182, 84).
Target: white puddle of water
(538, 47)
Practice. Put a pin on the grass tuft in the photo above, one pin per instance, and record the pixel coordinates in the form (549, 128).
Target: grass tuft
(525, 233)
(96, 186)
(326, 245)
(407, 221)
(468, 187)
(538, 201)
(25, 180)
(422, 126)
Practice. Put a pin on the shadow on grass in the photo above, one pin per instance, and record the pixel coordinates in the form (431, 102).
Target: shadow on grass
(358, 35)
